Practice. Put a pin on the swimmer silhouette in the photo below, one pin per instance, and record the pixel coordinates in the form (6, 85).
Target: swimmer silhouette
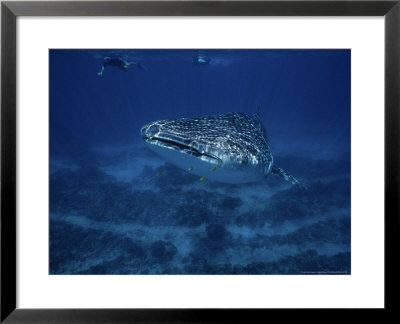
(120, 63)
(201, 60)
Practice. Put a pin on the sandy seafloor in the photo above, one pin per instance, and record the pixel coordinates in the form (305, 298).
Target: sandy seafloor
(113, 213)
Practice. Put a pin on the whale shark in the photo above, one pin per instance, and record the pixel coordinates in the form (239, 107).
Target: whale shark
(229, 148)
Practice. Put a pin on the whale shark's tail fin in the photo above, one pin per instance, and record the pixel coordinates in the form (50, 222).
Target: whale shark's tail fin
(282, 173)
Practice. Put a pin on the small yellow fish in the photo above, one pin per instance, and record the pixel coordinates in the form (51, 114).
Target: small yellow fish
(160, 173)
(202, 179)
(213, 168)
(150, 138)
(191, 169)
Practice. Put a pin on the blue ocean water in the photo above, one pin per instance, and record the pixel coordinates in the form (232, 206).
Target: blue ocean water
(118, 208)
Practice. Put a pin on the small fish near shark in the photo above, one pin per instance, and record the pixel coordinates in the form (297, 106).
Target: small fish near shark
(228, 148)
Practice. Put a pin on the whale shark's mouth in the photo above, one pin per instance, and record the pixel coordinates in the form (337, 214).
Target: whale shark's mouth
(181, 147)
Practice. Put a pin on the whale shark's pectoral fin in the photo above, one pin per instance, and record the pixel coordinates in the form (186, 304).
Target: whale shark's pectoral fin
(282, 173)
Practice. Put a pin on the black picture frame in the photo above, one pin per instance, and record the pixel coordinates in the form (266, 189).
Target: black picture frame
(10, 10)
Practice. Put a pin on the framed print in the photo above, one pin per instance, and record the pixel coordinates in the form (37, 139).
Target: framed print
(207, 215)
(157, 167)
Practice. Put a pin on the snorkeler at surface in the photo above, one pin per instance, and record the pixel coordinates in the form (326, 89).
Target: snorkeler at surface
(201, 60)
(120, 63)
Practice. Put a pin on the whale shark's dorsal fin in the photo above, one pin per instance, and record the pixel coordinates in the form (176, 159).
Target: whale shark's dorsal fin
(258, 112)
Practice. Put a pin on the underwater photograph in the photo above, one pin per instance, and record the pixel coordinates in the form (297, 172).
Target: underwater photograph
(200, 162)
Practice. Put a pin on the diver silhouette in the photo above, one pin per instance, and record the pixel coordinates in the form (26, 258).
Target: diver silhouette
(120, 63)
